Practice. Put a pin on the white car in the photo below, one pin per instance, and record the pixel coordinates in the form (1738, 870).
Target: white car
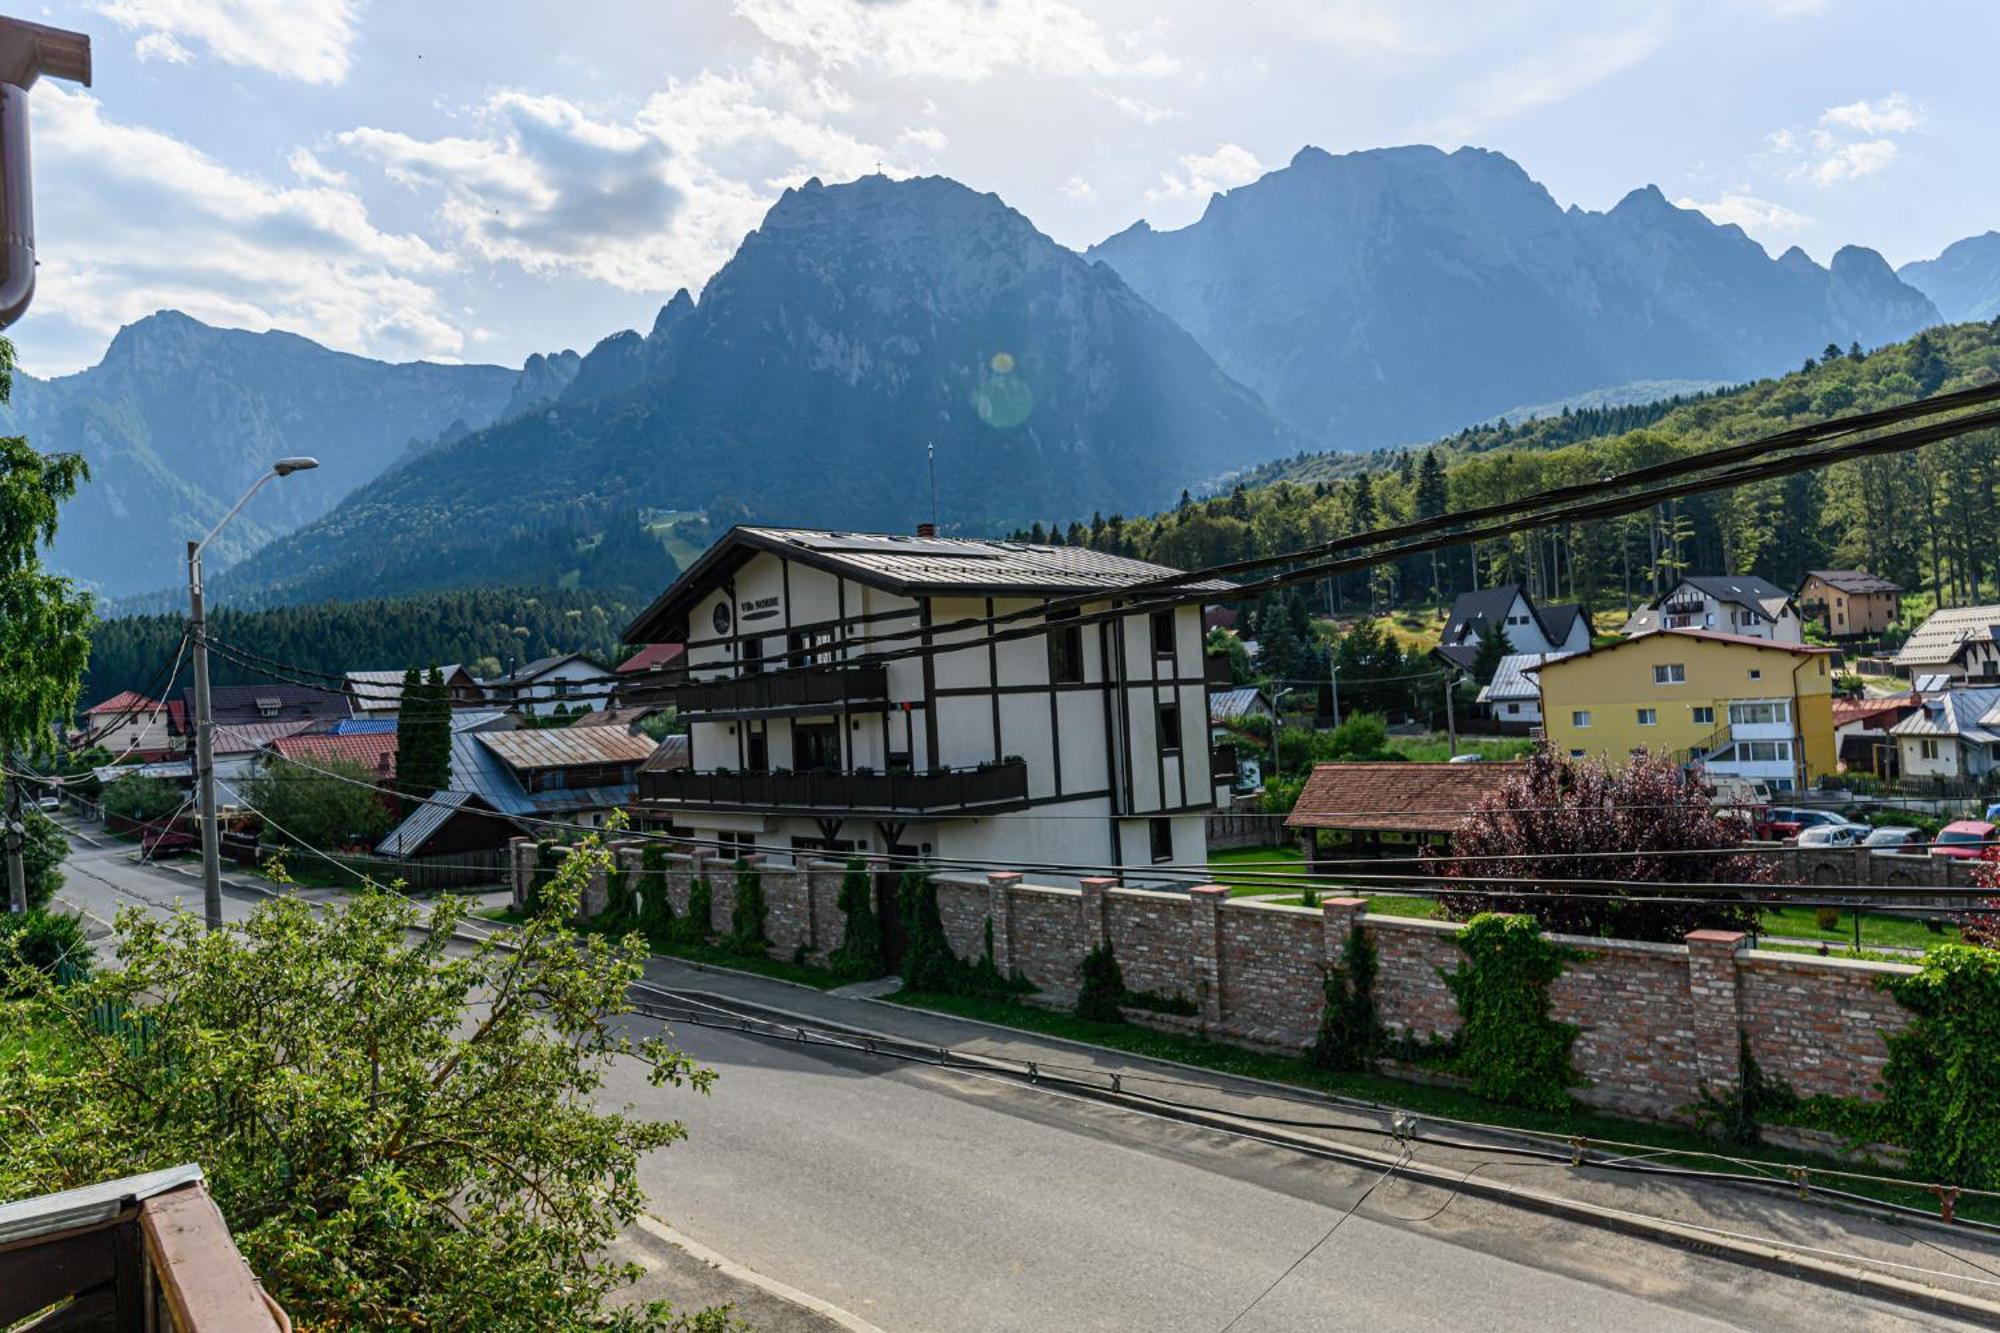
(1833, 835)
(49, 804)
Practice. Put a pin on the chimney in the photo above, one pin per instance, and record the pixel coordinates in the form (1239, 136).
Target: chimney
(927, 529)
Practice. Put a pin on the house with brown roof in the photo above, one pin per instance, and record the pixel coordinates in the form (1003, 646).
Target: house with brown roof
(1849, 603)
(1356, 811)
(129, 723)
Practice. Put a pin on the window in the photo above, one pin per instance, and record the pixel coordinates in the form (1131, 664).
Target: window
(1757, 752)
(1161, 834)
(1760, 713)
(1756, 674)
(1513, 709)
(752, 656)
(1170, 728)
(1163, 634)
(1576, 754)
(1703, 715)
(1065, 650)
(1670, 673)
(757, 748)
(1928, 749)
(1649, 717)
(815, 746)
(1580, 718)
(809, 647)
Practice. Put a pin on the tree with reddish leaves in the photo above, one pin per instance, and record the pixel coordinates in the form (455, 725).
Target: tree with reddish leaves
(1983, 928)
(1646, 828)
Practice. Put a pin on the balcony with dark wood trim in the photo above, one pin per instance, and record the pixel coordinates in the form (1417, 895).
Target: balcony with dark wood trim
(1215, 670)
(987, 787)
(1223, 764)
(830, 690)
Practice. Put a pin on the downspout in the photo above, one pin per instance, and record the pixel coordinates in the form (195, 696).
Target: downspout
(27, 51)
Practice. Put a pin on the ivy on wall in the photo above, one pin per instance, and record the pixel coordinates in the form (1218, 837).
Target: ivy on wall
(1508, 1045)
(1942, 1082)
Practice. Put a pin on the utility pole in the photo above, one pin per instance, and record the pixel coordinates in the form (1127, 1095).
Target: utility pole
(1450, 723)
(1333, 681)
(15, 836)
(204, 747)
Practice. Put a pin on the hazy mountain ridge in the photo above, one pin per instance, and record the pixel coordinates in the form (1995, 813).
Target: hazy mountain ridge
(1388, 296)
(1964, 280)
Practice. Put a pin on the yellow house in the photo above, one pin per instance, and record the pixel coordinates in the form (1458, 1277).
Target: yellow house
(1748, 708)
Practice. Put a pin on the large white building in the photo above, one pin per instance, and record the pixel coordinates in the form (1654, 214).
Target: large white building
(1722, 604)
(1051, 739)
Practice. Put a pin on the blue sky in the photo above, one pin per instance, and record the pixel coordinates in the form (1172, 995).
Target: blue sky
(478, 181)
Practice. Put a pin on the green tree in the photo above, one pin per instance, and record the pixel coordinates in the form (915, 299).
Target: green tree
(423, 735)
(1493, 645)
(43, 849)
(133, 796)
(332, 804)
(404, 1132)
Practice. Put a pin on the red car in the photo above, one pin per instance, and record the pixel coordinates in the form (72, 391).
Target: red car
(1963, 839)
(165, 842)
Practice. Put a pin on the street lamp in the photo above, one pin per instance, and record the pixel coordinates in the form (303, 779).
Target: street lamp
(204, 722)
(1277, 726)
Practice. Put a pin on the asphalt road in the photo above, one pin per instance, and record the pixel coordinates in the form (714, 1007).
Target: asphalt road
(919, 1199)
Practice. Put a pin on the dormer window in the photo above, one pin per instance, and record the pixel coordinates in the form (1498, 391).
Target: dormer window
(268, 706)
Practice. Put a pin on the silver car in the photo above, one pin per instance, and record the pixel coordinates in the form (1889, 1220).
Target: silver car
(1833, 835)
(1894, 841)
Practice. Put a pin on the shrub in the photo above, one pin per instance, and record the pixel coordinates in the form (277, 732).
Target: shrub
(699, 922)
(746, 933)
(43, 849)
(1942, 1082)
(1826, 918)
(1350, 1032)
(860, 952)
(135, 797)
(51, 943)
(1100, 986)
(1509, 1046)
(928, 962)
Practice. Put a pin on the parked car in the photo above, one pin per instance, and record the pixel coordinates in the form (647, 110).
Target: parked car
(1833, 835)
(1896, 841)
(1783, 823)
(166, 842)
(1467, 759)
(1963, 839)
(48, 805)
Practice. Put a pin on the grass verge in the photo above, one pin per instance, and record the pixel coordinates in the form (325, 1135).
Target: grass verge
(1685, 1146)
(714, 955)
(1877, 929)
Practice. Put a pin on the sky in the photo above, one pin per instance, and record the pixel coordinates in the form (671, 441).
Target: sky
(479, 181)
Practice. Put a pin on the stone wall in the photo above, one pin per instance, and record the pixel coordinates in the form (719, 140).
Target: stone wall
(1657, 1023)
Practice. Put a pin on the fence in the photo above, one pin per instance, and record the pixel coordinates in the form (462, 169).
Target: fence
(1658, 1024)
(1244, 824)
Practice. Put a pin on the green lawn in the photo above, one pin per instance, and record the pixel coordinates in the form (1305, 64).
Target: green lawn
(1256, 869)
(715, 955)
(1436, 747)
(1382, 904)
(1877, 929)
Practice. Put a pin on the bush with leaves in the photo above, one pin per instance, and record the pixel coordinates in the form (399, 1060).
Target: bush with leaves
(1982, 927)
(42, 853)
(1100, 986)
(747, 921)
(860, 952)
(132, 796)
(1942, 1082)
(404, 1131)
(1508, 1045)
(328, 805)
(699, 923)
(50, 944)
(1649, 825)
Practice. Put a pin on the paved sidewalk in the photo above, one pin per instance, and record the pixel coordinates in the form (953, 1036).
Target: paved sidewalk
(1929, 1254)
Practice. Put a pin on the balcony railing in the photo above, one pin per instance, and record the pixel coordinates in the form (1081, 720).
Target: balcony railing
(833, 688)
(1215, 669)
(944, 789)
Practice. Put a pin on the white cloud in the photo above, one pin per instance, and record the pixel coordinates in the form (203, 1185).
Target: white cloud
(1137, 108)
(929, 138)
(1076, 187)
(1837, 162)
(308, 40)
(1759, 217)
(1891, 115)
(962, 40)
(222, 245)
(654, 202)
(1203, 174)
(1554, 76)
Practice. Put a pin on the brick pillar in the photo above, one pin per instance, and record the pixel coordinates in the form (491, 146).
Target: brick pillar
(1205, 947)
(1718, 1018)
(521, 868)
(1000, 907)
(1091, 909)
(596, 892)
(1339, 916)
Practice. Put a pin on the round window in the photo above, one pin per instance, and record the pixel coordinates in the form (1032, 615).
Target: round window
(722, 617)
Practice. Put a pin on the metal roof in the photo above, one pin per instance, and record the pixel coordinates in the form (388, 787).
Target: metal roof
(1972, 715)
(87, 1205)
(244, 737)
(384, 689)
(1856, 581)
(1511, 680)
(534, 748)
(1938, 640)
(913, 566)
(672, 753)
(247, 703)
(431, 815)
(1234, 703)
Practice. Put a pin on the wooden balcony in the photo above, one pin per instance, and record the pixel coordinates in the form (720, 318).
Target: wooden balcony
(819, 691)
(988, 787)
(1215, 669)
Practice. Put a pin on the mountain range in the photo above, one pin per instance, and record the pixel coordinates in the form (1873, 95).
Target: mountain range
(1339, 302)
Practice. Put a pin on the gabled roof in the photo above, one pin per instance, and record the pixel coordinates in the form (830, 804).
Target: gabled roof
(1474, 613)
(531, 749)
(1514, 678)
(384, 689)
(1744, 590)
(476, 768)
(430, 816)
(247, 737)
(628, 718)
(909, 566)
(1939, 640)
(1398, 798)
(541, 666)
(121, 702)
(1876, 711)
(374, 751)
(652, 657)
(674, 752)
(1972, 715)
(1856, 582)
(1230, 704)
(247, 703)
(1700, 636)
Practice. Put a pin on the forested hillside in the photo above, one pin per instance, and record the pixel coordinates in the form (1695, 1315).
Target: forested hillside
(1926, 520)
(484, 629)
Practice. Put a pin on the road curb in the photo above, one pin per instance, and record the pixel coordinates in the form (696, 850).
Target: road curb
(770, 1286)
(1708, 1242)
